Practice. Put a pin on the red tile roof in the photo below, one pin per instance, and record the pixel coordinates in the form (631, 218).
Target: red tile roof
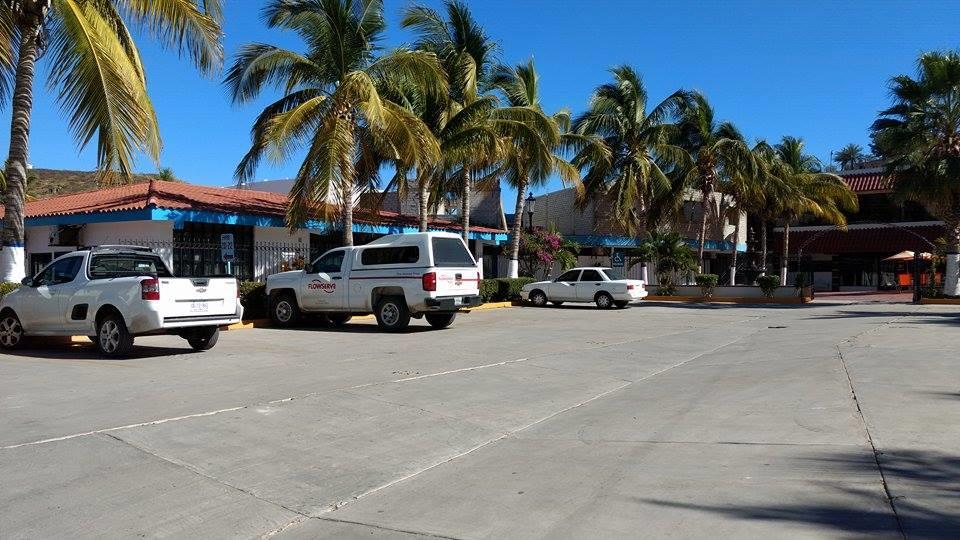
(877, 239)
(179, 195)
(868, 181)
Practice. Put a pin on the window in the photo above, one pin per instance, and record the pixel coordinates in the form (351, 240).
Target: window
(612, 275)
(331, 263)
(127, 264)
(569, 275)
(451, 252)
(591, 275)
(62, 271)
(390, 255)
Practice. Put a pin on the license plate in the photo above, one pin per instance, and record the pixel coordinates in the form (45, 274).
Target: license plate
(458, 301)
(199, 307)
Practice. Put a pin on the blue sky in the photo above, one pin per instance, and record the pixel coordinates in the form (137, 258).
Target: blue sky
(816, 70)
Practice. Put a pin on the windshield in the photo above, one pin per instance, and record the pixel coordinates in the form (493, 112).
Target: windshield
(612, 274)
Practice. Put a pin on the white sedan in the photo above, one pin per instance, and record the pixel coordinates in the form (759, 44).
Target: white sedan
(603, 286)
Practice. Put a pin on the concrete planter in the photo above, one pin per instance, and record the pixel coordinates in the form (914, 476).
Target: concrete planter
(740, 294)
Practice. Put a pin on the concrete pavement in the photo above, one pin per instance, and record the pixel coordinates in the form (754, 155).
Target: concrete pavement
(686, 421)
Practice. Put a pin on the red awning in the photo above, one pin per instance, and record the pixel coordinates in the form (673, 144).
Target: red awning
(860, 240)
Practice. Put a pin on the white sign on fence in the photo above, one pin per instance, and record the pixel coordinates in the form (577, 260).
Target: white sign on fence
(226, 247)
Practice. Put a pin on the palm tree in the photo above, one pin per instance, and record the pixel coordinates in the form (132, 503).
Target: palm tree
(849, 157)
(467, 56)
(670, 253)
(96, 68)
(717, 149)
(634, 167)
(748, 185)
(919, 135)
(811, 192)
(531, 160)
(335, 104)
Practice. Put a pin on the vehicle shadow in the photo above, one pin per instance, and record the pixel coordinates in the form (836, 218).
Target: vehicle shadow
(924, 317)
(933, 479)
(356, 328)
(66, 350)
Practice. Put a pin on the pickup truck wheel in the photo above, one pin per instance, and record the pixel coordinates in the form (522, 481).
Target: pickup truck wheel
(538, 298)
(338, 320)
(621, 304)
(113, 338)
(203, 339)
(284, 311)
(440, 320)
(603, 300)
(11, 331)
(392, 313)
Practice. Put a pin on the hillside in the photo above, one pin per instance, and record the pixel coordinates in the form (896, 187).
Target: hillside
(43, 183)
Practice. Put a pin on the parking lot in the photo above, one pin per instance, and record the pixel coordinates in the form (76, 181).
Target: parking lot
(835, 420)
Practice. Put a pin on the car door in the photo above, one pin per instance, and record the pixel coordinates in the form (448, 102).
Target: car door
(323, 287)
(564, 288)
(47, 295)
(590, 282)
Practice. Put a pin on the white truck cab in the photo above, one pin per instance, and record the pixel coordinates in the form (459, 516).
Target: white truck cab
(399, 276)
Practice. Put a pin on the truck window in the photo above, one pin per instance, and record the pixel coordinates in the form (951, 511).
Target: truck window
(331, 263)
(390, 255)
(124, 264)
(62, 271)
(451, 252)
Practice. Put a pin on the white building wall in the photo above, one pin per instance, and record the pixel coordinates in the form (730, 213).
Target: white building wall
(93, 234)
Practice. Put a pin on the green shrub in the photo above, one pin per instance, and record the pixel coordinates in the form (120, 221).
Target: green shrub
(707, 283)
(666, 289)
(768, 284)
(7, 288)
(253, 298)
(502, 289)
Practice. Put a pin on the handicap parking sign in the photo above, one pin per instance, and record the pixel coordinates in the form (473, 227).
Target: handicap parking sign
(616, 260)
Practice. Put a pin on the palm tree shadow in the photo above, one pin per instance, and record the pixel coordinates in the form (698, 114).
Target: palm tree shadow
(924, 486)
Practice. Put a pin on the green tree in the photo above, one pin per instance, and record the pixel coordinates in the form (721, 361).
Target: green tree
(717, 150)
(671, 256)
(166, 174)
(96, 70)
(919, 136)
(335, 104)
(849, 157)
(749, 184)
(633, 169)
(810, 192)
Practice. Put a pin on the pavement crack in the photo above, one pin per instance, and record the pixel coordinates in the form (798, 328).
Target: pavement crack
(388, 529)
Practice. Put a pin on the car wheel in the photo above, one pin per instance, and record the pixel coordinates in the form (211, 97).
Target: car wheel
(113, 338)
(284, 311)
(11, 331)
(338, 320)
(203, 339)
(621, 303)
(557, 303)
(440, 320)
(392, 313)
(603, 300)
(538, 298)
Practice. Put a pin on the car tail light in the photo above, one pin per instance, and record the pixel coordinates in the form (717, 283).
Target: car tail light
(430, 281)
(150, 289)
(630, 286)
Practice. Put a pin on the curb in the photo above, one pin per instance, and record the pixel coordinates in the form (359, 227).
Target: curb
(940, 301)
(490, 305)
(725, 299)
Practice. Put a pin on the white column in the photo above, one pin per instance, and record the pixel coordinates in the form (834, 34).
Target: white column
(513, 269)
(13, 263)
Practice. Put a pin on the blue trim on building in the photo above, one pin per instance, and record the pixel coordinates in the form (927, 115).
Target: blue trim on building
(605, 240)
(180, 217)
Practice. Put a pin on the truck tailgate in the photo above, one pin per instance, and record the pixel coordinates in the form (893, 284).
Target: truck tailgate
(457, 281)
(198, 297)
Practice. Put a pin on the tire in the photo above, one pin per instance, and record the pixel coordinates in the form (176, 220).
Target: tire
(284, 311)
(538, 298)
(392, 313)
(440, 320)
(603, 300)
(113, 338)
(338, 320)
(11, 331)
(557, 303)
(621, 304)
(203, 339)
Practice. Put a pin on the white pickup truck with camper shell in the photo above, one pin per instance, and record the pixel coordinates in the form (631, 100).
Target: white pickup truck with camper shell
(399, 276)
(602, 286)
(114, 293)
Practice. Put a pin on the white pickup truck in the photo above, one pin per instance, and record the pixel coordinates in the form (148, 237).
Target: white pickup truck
(430, 275)
(113, 293)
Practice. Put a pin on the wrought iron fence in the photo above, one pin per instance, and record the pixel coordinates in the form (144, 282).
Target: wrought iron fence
(251, 261)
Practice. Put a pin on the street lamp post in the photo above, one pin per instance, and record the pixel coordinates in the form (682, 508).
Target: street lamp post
(531, 203)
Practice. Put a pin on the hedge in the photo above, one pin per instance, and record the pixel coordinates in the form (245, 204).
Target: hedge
(502, 289)
(707, 283)
(253, 297)
(768, 284)
(8, 287)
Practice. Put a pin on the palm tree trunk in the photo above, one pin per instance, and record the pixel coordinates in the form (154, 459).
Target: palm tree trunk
(424, 201)
(733, 254)
(465, 206)
(12, 264)
(763, 247)
(346, 186)
(704, 209)
(951, 277)
(786, 253)
(514, 269)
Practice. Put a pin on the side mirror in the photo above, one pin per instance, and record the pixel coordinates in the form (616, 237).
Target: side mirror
(27, 281)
